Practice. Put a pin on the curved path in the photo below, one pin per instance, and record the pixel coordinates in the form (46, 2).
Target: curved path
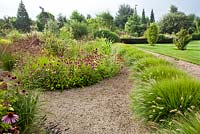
(99, 109)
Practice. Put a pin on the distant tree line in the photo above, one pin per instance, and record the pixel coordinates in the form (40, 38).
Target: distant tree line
(127, 20)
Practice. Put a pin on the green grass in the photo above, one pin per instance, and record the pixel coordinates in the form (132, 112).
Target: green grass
(192, 54)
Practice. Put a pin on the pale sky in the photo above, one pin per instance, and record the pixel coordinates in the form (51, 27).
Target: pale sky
(93, 7)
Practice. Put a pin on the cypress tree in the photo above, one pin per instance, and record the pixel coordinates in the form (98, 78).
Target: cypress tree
(23, 22)
(152, 19)
(143, 17)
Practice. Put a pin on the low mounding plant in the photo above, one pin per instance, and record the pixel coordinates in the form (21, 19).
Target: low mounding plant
(60, 75)
(182, 39)
(78, 29)
(166, 99)
(83, 66)
(110, 36)
(187, 125)
(149, 62)
(161, 72)
(45, 73)
(152, 34)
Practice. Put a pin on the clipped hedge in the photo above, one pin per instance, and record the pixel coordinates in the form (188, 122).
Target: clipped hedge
(196, 36)
(144, 40)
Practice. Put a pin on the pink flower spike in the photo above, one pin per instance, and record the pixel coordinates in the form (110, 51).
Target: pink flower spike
(10, 118)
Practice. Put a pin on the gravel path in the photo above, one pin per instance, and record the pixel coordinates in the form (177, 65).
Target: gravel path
(99, 109)
(188, 67)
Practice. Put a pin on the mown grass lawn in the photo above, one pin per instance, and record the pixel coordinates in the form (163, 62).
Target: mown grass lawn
(192, 54)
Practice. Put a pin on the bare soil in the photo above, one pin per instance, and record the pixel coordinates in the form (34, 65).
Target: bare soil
(103, 108)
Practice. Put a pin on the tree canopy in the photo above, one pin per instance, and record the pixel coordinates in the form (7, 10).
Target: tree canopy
(175, 20)
(43, 18)
(76, 16)
(124, 12)
(152, 18)
(106, 20)
(23, 22)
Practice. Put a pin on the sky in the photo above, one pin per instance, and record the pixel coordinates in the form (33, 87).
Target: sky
(93, 7)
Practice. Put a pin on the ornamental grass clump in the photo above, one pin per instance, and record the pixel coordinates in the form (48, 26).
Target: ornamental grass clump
(166, 99)
(187, 125)
(149, 62)
(19, 109)
(133, 56)
(161, 72)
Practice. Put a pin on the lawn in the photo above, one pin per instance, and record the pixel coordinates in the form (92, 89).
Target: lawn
(192, 54)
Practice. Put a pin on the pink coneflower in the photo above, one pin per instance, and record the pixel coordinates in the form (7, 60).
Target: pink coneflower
(10, 118)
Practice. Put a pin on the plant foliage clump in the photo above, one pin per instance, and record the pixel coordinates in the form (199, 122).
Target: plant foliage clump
(110, 36)
(182, 39)
(161, 72)
(167, 99)
(149, 62)
(152, 34)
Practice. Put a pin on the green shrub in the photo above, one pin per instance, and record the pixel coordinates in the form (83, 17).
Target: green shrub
(54, 45)
(152, 34)
(108, 35)
(166, 99)
(182, 39)
(46, 73)
(149, 62)
(196, 36)
(52, 27)
(78, 29)
(108, 68)
(161, 72)
(65, 33)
